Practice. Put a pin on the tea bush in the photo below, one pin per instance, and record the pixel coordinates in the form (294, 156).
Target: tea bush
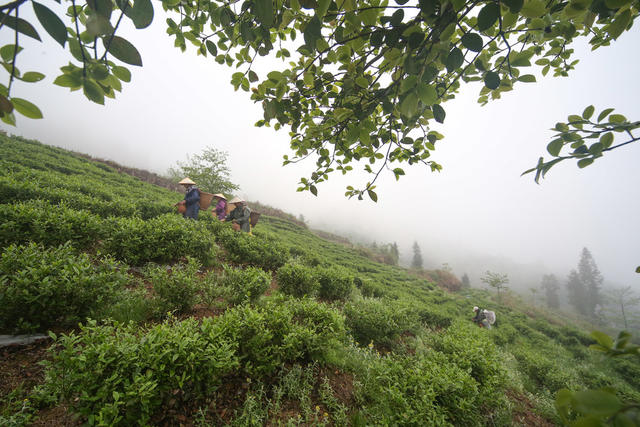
(132, 305)
(334, 283)
(252, 250)
(163, 239)
(176, 287)
(418, 390)
(50, 225)
(121, 375)
(297, 280)
(369, 289)
(41, 288)
(245, 284)
(543, 371)
(472, 350)
(280, 331)
(380, 321)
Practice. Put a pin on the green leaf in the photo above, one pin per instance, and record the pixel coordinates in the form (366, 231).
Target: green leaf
(122, 73)
(527, 78)
(123, 50)
(7, 52)
(409, 105)
(488, 16)
(211, 47)
(253, 77)
(68, 80)
(263, 10)
(492, 80)
(555, 146)
(604, 114)
(606, 139)
(602, 338)
(619, 24)
(472, 41)
(617, 118)
(373, 195)
(360, 81)
(427, 94)
(32, 76)
(584, 163)
(616, 4)
(141, 14)
(313, 190)
(588, 112)
(533, 9)
(51, 23)
(26, 108)
(9, 119)
(98, 25)
(309, 4)
(312, 32)
(19, 25)
(596, 402)
(438, 113)
(638, 269)
(514, 5)
(102, 7)
(454, 60)
(93, 91)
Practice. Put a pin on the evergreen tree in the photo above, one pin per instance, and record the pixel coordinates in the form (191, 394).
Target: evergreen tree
(551, 286)
(417, 257)
(465, 281)
(395, 253)
(591, 279)
(577, 293)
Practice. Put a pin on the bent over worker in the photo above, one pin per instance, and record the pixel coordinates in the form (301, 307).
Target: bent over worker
(240, 217)
(485, 318)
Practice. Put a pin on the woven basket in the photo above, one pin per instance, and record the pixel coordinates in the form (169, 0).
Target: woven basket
(254, 218)
(205, 200)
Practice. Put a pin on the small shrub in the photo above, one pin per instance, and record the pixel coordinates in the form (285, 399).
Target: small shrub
(131, 305)
(380, 321)
(176, 288)
(41, 288)
(121, 375)
(252, 250)
(368, 288)
(334, 283)
(297, 280)
(245, 285)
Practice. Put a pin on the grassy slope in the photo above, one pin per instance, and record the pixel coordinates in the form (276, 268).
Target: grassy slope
(418, 358)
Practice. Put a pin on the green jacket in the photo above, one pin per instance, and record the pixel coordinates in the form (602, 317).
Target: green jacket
(242, 215)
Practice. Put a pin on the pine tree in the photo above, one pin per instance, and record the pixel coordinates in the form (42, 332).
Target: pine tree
(577, 293)
(551, 286)
(417, 257)
(591, 279)
(465, 281)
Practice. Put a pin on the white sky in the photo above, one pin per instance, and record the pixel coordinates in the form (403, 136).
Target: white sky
(477, 210)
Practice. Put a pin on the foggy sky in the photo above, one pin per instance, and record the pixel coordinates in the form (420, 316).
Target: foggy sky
(473, 214)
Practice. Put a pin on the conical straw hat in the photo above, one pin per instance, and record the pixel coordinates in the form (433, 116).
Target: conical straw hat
(219, 195)
(186, 181)
(236, 200)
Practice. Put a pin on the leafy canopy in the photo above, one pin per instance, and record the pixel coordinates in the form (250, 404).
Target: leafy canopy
(208, 170)
(362, 80)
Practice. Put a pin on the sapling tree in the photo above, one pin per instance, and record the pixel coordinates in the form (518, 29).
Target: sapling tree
(495, 280)
(416, 261)
(208, 169)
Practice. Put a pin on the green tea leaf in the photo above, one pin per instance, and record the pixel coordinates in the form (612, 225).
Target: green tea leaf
(602, 338)
(584, 163)
(604, 114)
(263, 9)
(32, 76)
(555, 146)
(122, 73)
(533, 9)
(373, 195)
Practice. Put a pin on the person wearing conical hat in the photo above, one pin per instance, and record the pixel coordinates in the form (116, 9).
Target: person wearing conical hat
(191, 198)
(220, 211)
(240, 217)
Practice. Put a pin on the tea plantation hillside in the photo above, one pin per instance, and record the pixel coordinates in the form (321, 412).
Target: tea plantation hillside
(158, 320)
